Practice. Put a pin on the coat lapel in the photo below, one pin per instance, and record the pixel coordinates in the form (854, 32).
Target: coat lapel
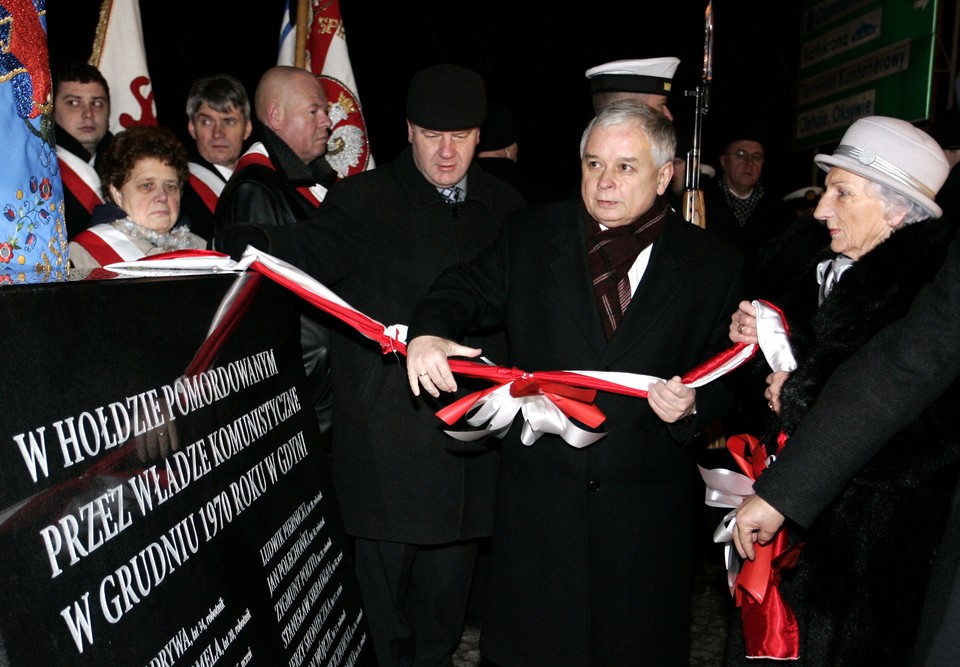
(572, 276)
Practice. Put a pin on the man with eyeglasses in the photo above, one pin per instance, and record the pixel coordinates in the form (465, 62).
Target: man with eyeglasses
(737, 207)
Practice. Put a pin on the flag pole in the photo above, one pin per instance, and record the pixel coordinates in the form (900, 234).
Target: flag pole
(303, 18)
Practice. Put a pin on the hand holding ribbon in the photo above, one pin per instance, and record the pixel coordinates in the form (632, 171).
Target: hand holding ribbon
(769, 624)
(547, 399)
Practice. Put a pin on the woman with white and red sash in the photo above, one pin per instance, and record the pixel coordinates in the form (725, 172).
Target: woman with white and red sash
(867, 522)
(143, 172)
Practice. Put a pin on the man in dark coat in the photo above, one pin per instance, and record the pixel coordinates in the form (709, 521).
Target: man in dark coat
(579, 575)
(281, 180)
(738, 208)
(218, 120)
(415, 500)
(81, 113)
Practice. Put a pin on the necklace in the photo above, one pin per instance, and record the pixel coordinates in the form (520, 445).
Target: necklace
(178, 238)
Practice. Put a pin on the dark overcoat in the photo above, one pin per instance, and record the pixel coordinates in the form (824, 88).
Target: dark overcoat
(591, 554)
(871, 518)
(379, 240)
(274, 195)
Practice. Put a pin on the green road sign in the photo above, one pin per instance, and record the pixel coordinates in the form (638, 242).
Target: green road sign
(862, 58)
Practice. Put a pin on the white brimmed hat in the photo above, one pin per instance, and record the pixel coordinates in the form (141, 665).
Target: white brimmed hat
(650, 75)
(894, 153)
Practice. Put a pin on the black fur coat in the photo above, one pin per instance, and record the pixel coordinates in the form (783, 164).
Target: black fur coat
(858, 586)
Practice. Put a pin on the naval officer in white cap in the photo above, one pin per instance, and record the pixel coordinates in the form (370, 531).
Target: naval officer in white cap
(647, 81)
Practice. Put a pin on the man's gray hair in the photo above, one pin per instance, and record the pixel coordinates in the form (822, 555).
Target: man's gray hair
(221, 92)
(658, 128)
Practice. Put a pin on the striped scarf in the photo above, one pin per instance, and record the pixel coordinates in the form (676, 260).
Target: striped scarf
(611, 254)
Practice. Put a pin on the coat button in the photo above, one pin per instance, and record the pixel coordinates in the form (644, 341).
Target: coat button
(593, 485)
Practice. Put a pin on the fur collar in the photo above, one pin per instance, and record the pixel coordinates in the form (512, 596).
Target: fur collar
(876, 291)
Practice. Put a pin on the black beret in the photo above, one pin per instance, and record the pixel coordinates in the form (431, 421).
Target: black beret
(446, 97)
(742, 129)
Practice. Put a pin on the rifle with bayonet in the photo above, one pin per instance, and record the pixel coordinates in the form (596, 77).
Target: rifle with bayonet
(693, 206)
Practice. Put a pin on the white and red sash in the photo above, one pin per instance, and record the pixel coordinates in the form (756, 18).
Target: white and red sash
(206, 184)
(80, 178)
(108, 245)
(257, 154)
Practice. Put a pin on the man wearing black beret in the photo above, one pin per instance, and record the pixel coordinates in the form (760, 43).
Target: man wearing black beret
(416, 501)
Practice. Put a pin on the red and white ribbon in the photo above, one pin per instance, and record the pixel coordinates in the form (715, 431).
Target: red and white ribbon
(769, 624)
(546, 399)
(726, 488)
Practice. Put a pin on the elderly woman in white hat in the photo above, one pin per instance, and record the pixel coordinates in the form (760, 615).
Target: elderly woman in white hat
(857, 587)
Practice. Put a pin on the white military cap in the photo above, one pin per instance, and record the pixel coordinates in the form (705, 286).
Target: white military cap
(806, 195)
(650, 75)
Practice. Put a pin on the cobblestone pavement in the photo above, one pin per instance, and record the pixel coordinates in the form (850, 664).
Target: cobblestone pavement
(711, 608)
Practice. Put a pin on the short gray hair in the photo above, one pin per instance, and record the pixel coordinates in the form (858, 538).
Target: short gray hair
(894, 203)
(656, 127)
(221, 92)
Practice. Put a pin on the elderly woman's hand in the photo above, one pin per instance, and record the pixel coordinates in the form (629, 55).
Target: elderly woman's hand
(757, 521)
(743, 324)
(774, 386)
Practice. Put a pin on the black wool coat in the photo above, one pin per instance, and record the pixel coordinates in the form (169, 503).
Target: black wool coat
(379, 241)
(591, 553)
(858, 586)
(265, 195)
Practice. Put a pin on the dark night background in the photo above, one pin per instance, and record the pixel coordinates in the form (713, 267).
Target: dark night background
(532, 56)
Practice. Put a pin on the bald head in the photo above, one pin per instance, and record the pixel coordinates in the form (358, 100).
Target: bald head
(291, 102)
(277, 84)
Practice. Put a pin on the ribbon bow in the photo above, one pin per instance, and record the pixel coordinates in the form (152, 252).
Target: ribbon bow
(545, 405)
